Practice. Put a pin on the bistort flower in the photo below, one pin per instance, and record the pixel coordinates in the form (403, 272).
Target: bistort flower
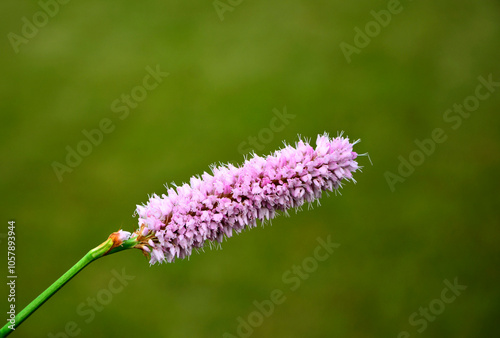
(215, 206)
(231, 199)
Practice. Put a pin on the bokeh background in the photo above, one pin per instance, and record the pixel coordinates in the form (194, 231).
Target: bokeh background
(228, 72)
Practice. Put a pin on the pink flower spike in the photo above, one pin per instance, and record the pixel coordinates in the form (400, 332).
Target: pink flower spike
(234, 198)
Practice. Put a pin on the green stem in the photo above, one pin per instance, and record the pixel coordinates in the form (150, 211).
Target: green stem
(105, 248)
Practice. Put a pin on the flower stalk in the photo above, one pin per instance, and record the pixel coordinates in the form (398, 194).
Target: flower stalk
(117, 241)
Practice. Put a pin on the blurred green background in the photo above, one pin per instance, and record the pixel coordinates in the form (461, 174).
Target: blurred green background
(225, 79)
